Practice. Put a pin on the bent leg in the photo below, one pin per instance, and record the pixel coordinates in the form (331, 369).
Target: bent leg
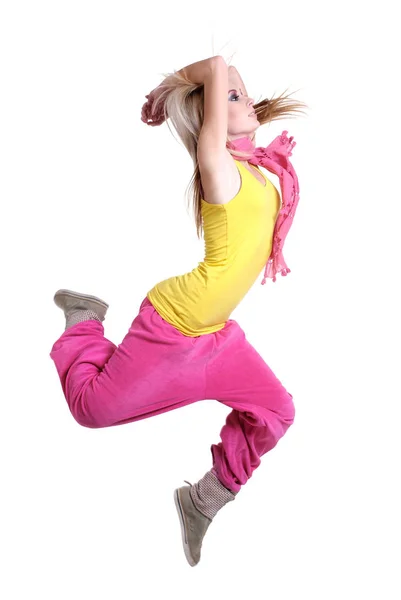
(262, 408)
(152, 371)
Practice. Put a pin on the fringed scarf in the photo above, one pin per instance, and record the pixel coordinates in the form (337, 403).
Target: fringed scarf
(275, 158)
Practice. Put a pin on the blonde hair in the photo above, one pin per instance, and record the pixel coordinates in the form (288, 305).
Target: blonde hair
(183, 105)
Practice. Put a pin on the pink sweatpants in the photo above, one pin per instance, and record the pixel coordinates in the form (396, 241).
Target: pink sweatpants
(157, 368)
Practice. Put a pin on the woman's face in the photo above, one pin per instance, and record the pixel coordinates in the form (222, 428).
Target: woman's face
(240, 106)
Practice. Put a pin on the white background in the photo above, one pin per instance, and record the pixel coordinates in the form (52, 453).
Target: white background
(93, 200)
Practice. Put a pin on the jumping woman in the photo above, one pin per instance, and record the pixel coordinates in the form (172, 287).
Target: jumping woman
(182, 346)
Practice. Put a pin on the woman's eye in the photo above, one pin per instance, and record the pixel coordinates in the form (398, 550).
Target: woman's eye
(232, 97)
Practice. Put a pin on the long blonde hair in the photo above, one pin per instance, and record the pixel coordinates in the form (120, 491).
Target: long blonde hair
(183, 105)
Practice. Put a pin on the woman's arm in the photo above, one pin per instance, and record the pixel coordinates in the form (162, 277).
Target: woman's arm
(198, 71)
(195, 72)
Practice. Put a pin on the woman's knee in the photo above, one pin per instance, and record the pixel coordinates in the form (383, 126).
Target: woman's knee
(85, 418)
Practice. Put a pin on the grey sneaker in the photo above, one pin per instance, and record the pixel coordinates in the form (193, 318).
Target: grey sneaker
(70, 301)
(193, 524)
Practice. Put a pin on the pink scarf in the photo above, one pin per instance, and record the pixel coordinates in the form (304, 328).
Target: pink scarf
(275, 158)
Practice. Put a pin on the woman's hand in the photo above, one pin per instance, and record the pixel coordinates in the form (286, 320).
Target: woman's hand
(149, 114)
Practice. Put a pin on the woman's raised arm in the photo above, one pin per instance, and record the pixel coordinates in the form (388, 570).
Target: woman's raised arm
(195, 72)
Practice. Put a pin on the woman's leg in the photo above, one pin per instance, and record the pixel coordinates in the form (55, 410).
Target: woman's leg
(154, 370)
(237, 376)
(263, 410)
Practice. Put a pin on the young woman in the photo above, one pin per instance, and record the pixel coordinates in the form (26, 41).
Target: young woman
(182, 346)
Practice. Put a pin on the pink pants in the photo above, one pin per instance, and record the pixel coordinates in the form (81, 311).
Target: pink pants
(157, 368)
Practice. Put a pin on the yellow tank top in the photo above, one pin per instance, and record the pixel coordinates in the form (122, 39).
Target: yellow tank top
(238, 241)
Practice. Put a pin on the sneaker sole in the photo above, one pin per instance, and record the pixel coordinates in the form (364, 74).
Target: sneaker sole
(183, 531)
